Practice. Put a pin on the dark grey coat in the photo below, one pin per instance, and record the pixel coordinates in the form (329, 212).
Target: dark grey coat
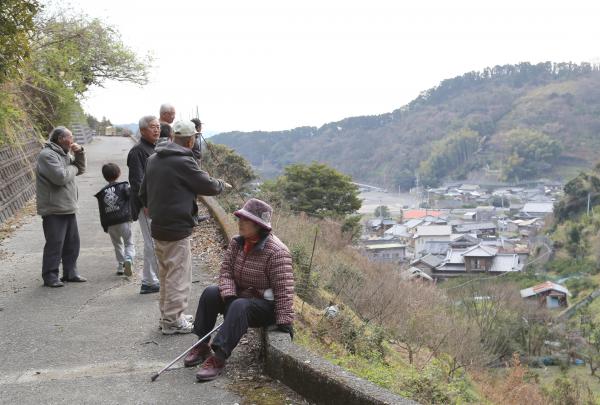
(169, 189)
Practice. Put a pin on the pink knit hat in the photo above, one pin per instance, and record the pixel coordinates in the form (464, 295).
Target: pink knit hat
(256, 211)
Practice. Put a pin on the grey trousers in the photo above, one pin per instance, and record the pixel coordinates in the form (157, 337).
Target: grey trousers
(122, 240)
(62, 245)
(150, 272)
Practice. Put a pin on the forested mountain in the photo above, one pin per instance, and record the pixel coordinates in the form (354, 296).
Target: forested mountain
(514, 121)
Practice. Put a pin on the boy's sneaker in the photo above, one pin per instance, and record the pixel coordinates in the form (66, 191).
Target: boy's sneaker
(182, 326)
(120, 269)
(149, 289)
(127, 267)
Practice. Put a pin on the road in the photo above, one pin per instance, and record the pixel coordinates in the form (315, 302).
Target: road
(394, 201)
(94, 342)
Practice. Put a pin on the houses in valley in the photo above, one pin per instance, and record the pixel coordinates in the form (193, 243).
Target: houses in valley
(493, 234)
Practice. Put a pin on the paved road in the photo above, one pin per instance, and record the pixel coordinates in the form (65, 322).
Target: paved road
(94, 342)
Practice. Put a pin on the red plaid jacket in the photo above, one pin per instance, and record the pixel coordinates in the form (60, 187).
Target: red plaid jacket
(267, 265)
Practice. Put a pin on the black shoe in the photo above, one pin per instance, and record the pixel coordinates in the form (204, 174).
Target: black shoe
(149, 289)
(200, 218)
(54, 284)
(76, 279)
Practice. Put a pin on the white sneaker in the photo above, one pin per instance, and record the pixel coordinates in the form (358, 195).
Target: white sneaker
(188, 318)
(182, 327)
(119, 269)
(127, 267)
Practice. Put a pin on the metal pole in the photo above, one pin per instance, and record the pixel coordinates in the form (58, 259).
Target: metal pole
(588, 204)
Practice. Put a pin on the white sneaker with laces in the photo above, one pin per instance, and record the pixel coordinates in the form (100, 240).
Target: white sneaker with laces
(183, 326)
(189, 318)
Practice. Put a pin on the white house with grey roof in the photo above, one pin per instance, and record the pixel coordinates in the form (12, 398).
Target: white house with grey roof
(390, 252)
(477, 259)
(430, 233)
(537, 209)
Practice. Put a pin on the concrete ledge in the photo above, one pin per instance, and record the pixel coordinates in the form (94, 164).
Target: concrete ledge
(225, 222)
(317, 379)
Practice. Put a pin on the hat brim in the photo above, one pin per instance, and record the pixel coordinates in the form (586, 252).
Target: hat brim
(242, 213)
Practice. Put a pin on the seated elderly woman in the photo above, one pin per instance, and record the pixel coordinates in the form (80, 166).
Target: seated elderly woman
(256, 288)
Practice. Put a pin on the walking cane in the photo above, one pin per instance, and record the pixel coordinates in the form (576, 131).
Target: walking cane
(155, 376)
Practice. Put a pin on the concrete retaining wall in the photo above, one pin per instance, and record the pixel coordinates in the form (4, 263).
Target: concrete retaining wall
(17, 176)
(317, 379)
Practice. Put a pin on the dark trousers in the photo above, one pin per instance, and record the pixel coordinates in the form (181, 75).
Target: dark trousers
(62, 244)
(241, 314)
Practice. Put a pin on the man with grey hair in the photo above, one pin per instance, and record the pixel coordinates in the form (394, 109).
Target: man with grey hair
(172, 182)
(166, 118)
(57, 165)
(136, 161)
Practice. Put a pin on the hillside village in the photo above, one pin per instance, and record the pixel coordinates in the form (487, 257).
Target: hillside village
(469, 230)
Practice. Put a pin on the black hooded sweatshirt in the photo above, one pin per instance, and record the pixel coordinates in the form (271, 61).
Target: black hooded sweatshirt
(169, 189)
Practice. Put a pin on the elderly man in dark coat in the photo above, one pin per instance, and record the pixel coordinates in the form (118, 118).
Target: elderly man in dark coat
(136, 161)
(57, 165)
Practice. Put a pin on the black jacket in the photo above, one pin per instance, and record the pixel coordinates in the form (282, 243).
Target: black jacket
(197, 148)
(113, 203)
(136, 161)
(169, 189)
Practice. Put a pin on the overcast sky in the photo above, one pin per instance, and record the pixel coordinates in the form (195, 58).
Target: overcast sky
(269, 65)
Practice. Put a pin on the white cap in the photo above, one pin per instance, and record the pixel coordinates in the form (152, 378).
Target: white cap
(183, 128)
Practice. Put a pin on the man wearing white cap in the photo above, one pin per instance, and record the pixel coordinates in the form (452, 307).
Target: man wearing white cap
(171, 184)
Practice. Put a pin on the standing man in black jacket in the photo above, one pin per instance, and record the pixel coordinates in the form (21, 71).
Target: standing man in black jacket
(172, 182)
(136, 161)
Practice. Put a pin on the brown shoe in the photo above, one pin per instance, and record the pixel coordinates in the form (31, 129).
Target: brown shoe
(197, 355)
(211, 369)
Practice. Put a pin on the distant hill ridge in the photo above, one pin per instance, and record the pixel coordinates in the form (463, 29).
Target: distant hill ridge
(561, 100)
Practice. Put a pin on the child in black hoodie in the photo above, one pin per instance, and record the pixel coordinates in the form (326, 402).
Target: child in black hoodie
(115, 217)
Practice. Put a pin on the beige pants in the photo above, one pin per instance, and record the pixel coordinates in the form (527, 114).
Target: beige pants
(175, 275)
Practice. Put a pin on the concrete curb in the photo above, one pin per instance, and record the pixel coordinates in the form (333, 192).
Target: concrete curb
(225, 222)
(317, 379)
(311, 376)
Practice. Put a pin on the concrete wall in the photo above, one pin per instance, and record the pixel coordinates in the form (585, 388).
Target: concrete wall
(17, 176)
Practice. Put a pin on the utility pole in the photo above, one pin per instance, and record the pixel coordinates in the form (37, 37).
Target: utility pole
(588, 204)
